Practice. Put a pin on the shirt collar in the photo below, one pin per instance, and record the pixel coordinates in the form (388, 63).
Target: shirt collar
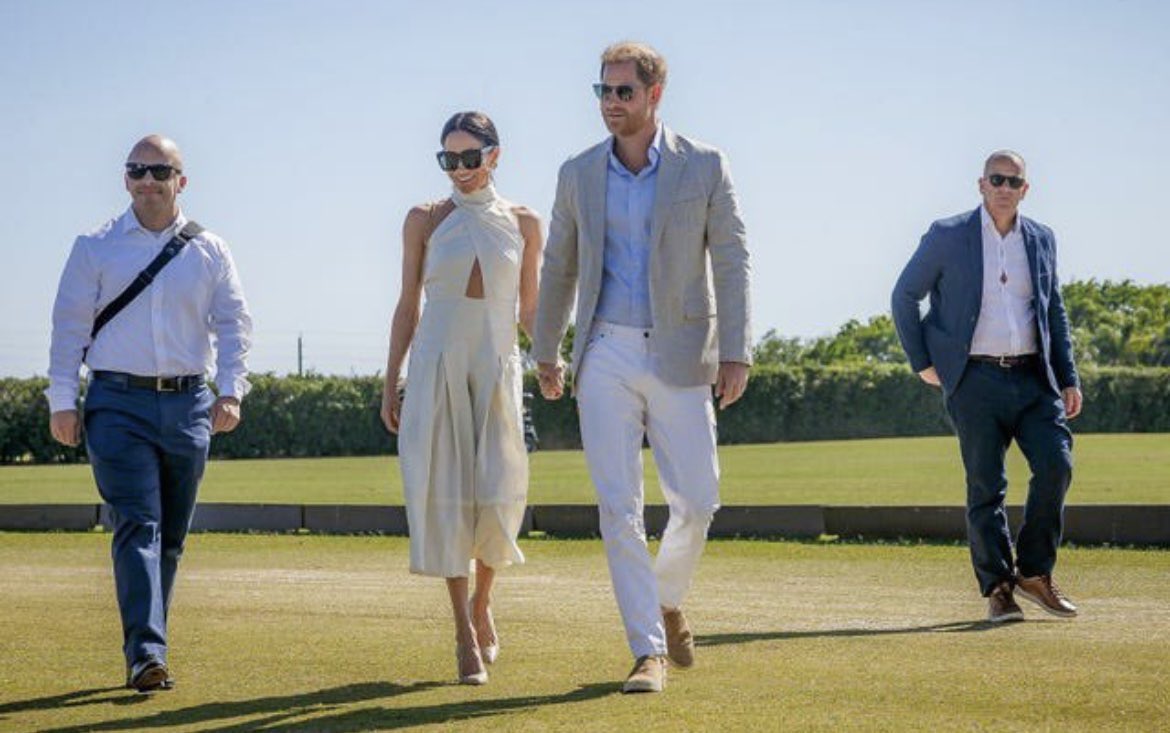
(130, 223)
(654, 154)
(989, 222)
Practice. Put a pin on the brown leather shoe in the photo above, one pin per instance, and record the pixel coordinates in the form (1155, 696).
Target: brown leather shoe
(1042, 591)
(1001, 607)
(680, 644)
(648, 675)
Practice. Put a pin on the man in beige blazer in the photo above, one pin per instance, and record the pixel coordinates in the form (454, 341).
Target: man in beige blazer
(646, 235)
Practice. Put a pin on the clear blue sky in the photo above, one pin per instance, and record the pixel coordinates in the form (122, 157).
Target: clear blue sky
(309, 129)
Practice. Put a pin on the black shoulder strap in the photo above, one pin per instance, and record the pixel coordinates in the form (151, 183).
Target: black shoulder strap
(189, 231)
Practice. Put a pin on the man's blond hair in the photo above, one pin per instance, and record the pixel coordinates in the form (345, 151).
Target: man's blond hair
(650, 64)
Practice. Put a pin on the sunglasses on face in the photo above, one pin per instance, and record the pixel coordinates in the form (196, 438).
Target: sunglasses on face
(624, 92)
(997, 180)
(469, 159)
(159, 171)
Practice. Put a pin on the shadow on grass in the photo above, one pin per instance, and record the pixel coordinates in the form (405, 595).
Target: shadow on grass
(952, 627)
(280, 713)
(78, 698)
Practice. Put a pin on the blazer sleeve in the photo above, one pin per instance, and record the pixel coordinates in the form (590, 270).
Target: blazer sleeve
(1063, 363)
(730, 268)
(917, 279)
(558, 274)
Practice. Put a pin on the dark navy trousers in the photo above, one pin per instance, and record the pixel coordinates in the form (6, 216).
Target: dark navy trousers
(148, 450)
(991, 407)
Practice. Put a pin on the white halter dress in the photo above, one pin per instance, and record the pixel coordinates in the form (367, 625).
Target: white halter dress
(461, 443)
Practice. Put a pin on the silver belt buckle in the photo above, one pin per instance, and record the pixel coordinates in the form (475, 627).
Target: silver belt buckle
(1003, 362)
(161, 384)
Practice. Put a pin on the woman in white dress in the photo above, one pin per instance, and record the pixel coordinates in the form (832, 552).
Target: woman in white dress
(476, 257)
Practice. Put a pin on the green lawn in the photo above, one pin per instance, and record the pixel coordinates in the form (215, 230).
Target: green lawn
(1111, 469)
(314, 633)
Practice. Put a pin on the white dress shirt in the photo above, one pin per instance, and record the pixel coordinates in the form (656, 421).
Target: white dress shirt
(1007, 315)
(167, 330)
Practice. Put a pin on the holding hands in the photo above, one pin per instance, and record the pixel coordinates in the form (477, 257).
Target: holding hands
(552, 379)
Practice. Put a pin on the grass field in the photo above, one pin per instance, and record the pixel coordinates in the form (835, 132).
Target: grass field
(310, 633)
(1110, 469)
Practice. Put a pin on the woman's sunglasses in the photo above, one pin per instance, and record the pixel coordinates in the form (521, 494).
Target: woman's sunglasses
(159, 171)
(997, 180)
(469, 159)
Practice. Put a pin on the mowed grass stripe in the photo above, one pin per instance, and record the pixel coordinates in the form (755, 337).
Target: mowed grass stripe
(1110, 469)
(312, 633)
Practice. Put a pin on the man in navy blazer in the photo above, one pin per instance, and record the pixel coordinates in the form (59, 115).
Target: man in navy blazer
(996, 340)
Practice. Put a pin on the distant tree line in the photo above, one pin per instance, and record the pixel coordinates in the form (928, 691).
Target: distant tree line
(1113, 324)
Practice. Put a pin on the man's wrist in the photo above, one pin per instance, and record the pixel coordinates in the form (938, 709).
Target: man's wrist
(62, 405)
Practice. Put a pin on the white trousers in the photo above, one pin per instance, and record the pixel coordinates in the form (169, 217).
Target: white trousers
(620, 400)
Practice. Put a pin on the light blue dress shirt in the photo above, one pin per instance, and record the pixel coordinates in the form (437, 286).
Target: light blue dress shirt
(629, 214)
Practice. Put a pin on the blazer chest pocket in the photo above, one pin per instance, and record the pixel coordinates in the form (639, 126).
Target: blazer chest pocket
(689, 212)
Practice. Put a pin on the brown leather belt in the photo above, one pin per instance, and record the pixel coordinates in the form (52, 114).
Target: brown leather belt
(156, 384)
(1006, 362)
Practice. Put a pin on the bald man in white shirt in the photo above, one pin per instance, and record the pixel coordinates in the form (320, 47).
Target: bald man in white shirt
(149, 413)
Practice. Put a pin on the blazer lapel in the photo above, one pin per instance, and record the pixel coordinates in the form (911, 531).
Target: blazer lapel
(1033, 263)
(975, 261)
(670, 167)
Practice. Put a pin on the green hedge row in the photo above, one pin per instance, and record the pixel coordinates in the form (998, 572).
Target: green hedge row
(793, 403)
(333, 416)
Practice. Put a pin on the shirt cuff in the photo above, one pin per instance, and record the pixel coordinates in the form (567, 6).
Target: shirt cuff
(236, 387)
(61, 398)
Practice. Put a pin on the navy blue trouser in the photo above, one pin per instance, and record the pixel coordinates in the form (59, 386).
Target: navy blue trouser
(991, 407)
(148, 450)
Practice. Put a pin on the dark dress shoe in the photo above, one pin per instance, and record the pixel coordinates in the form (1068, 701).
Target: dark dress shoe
(149, 676)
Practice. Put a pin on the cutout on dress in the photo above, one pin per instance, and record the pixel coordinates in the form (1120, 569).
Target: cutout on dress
(474, 282)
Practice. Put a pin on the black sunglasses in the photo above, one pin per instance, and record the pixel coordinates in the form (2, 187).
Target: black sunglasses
(997, 180)
(470, 159)
(624, 92)
(159, 171)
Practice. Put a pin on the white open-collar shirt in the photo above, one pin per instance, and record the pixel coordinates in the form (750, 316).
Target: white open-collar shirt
(194, 310)
(1007, 314)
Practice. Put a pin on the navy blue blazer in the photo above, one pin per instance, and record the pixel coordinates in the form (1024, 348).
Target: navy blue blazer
(948, 266)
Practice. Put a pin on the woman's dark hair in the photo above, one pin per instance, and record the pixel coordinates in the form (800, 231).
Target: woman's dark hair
(476, 124)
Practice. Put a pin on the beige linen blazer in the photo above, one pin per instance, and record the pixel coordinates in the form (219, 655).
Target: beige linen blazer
(699, 266)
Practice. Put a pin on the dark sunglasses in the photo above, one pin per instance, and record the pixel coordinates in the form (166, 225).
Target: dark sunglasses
(997, 180)
(159, 171)
(624, 92)
(470, 159)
